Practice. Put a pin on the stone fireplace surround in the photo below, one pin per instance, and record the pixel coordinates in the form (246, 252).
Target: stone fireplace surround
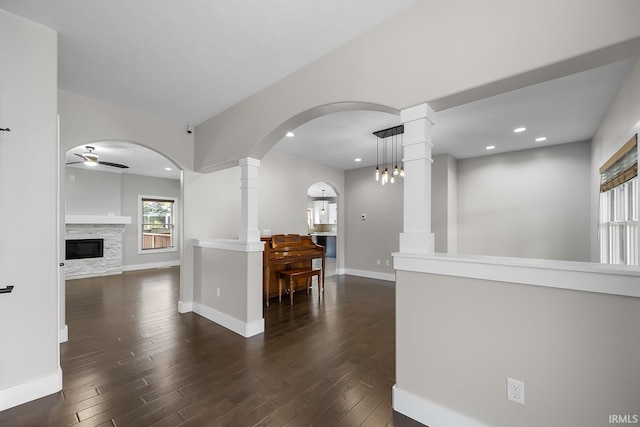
(107, 227)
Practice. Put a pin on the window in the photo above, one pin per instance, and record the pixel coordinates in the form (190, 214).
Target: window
(157, 223)
(619, 207)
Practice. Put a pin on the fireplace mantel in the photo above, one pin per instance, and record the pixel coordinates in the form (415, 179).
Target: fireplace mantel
(97, 219)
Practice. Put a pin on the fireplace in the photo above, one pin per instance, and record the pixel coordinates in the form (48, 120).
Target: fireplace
(84, 248)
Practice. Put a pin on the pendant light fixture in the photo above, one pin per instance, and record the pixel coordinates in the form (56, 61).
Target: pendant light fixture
(377, 159)
(391, 151)
(323, 203)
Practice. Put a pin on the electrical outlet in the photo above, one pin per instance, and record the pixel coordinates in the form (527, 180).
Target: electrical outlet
(378, 261)
(386, 262)
(515, 391)
(218, 292)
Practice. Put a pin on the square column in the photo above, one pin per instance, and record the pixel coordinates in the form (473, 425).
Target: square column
(416, 237)
(249, 202)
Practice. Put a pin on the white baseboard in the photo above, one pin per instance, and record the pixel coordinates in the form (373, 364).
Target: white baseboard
(370, 274)
(185, 307)
(239, 327)
(427, 412)
(150, 265)
(32, 390)
(63, 335)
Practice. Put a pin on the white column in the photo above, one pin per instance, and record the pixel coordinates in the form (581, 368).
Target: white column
(416, 237)
(249, 185)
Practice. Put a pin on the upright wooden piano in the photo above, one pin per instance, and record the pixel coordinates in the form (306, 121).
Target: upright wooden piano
(287, 251)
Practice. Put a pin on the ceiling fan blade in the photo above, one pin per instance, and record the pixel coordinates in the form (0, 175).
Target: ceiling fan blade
(79, 155)
(73, 163)
(115, 165)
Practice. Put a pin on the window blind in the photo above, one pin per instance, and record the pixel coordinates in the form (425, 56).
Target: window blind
(621, 167)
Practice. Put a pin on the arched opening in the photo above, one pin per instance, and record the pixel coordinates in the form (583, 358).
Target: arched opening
(319, 156)
(322, 221)
(122, 211)
(304, 117)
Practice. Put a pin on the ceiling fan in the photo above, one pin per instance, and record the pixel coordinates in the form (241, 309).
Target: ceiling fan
(90, 158)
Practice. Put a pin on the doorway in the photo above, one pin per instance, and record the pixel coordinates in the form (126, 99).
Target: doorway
(101, 201)
(322, 221)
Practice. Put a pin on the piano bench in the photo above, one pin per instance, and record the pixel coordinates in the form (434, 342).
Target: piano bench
(292, 275)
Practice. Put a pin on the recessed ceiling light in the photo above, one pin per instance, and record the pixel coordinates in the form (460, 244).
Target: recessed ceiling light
(290, 134)
(489, 147)
(168, 169)
(540, 139)
(518, 130)
(358, 159)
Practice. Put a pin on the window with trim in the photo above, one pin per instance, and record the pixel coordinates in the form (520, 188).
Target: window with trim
(156, 232)
(619, 206)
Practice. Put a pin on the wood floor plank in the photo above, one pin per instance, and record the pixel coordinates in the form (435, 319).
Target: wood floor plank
(133, 360)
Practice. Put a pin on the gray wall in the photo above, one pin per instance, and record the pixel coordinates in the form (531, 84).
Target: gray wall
(92, 192)
(284, 181)
(530, 204)
(132, 186)
(378, 236)
(458, 339)
(101, 193)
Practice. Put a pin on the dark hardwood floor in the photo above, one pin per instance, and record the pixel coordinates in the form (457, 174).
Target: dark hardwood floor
(133, 360)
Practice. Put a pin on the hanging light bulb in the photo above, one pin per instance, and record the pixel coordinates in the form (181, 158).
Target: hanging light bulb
(377, 158)
(392, 179)
(395, 156)
(401, 156)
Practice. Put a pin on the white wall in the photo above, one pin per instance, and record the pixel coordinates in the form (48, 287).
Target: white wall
(530, 204)
(29, 355)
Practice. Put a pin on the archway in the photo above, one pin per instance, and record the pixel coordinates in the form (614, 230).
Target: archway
(103, 185)
(330, 134)
(322, 221)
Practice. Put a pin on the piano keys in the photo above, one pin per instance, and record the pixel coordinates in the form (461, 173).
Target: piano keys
(287, 251)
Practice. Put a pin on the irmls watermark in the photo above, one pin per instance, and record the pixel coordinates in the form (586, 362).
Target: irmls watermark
(624, 419)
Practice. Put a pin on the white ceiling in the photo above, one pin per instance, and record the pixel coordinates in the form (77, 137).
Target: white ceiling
(189, 60)
(141, 160)
(568, 109)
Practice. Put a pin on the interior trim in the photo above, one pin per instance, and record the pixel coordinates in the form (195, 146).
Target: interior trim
(229, 245)
(427, 412)
(32, 390)
(238, 326)
(572, 275)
